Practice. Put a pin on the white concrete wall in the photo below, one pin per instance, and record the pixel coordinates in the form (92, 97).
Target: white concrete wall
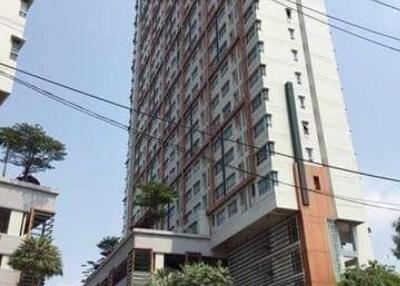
(8, 277)
(329, 133)
(4, 263)
(11, 24)
(335, 127)
(9, 243)
(20, 198)
(14, 227)
(169, 242)
(16, 195)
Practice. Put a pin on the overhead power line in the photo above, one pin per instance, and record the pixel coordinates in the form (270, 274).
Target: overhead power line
(65, 86)
(343, 30)
(318, 192)
(347, 22)
(386, 5)
(172, 122)
(66, 102)
(366, 203)
(374, 204)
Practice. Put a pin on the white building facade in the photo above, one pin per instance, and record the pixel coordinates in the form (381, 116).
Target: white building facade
(237, 105)
(26, 210)
(12, 23)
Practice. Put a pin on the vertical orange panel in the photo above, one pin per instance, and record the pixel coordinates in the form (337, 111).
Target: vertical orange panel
(314, 230)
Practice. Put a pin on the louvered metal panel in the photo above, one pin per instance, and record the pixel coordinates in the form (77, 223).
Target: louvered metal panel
(273, 257)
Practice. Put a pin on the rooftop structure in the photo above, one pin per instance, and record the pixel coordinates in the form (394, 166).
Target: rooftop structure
(26, 210)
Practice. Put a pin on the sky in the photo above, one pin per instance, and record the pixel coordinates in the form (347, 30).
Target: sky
(88, 44)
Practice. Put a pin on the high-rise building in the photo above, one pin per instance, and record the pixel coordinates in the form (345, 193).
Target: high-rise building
(252, 118)
(12, 23)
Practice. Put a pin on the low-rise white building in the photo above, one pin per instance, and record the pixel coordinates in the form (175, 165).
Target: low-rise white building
(12, 23)
(25, 210)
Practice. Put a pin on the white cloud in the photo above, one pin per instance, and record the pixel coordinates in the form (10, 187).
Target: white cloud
(381, 220)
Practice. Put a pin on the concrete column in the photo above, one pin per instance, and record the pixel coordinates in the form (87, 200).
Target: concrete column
(159, 261)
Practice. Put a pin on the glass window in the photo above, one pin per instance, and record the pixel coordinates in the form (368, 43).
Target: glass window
(4, 220)
(289, 13)
(215, 102)
(196, 187)
(232, 208)
(260, 126)
(310, 154)
(298, 77)
(291, 33)
(25, 5)
(262, 155)
(226, 110)
(188, 195)
(224, 68)
(17, 44)
(221, 217)
(295, 55)
(193, 228)
(230, 182)
(228, 131)
(302, 101)
(256, 102)
(225, 89)
(306, 127)
(142, 261)
(264, 185)
(219, 192)
(230, 156)
(197, 208)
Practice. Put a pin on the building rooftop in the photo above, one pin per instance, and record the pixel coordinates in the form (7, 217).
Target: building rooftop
(24, 196)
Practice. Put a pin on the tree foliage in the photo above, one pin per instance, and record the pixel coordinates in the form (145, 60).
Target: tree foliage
(374, 274)
(30, 147)
(396, 239)
(37, 257)
(194, 275)
(155, 196)
(107, 245)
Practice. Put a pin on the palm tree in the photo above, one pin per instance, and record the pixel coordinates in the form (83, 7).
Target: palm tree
(37, 258)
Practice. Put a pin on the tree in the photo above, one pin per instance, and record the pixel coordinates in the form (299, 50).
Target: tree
(396, 239)
(38, 258)
(199, 274)
(107, 245)
(154, 196)
(374, 274)
(29, 146)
